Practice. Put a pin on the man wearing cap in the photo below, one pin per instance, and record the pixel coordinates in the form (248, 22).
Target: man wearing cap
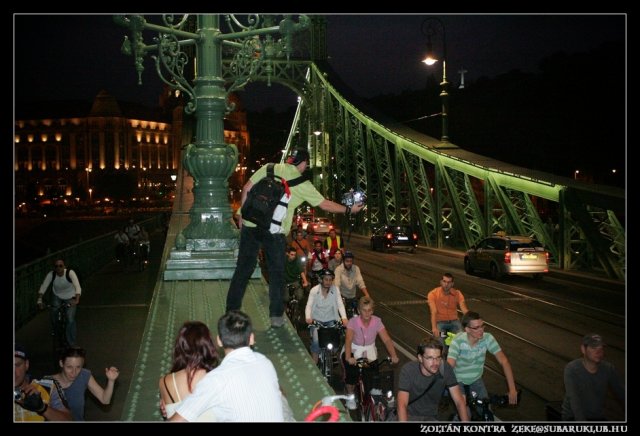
(252, 237)
(38, 400)
(586, 381)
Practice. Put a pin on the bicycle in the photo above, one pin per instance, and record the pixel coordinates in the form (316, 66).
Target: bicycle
(292, 309)
(373, 404)
(351, 307)
(59, 329)
(329, 339)
(325, 406)
(480, 408)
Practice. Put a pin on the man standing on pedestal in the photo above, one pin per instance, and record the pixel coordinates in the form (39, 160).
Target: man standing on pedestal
(253, 237)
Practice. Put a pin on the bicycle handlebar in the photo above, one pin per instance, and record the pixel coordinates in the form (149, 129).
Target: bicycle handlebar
(363, 362)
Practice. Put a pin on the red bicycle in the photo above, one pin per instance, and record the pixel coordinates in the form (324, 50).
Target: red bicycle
(372, 404)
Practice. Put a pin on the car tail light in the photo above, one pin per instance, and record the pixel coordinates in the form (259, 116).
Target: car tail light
(546, 255)
(415, 236)
(389, 236)
(507, 257)
(331, 227)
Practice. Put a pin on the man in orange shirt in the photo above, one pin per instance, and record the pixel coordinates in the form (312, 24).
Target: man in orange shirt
(443, 304)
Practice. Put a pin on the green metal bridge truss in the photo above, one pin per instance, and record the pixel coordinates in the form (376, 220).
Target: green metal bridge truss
(454, 197)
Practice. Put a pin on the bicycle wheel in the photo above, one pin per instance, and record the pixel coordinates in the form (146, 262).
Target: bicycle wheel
(328, 365)
(366, 410)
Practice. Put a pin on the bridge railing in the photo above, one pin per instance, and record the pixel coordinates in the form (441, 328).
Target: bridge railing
(87, 257)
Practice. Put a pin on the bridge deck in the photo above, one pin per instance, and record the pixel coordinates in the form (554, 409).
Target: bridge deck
(177, 301)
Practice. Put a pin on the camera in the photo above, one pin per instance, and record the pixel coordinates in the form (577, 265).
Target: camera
(353, 197)
(17, 394)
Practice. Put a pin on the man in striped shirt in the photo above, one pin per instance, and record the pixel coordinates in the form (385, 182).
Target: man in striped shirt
(467, 353)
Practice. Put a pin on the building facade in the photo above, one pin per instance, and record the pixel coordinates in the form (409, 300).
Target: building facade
(68, 149)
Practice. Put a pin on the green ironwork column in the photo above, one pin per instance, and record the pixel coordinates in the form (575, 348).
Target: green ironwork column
(207, 247)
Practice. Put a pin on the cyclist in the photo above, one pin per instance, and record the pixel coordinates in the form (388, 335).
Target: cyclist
(422, 383)
(325, 306)
(443, 305)
(293, 275)
(360, 341)
(317, 261)
(467, 353)
(349, 279)
(63, 292)
(122, 245)
(337, 260)
(333, 243)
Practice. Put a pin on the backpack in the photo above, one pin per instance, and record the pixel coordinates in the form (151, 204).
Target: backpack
(46, 297)
(265, 196)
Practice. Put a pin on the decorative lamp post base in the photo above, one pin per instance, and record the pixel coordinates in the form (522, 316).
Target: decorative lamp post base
(203, 264)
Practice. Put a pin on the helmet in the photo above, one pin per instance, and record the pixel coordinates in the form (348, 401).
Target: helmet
(348, 255)
(325, 272)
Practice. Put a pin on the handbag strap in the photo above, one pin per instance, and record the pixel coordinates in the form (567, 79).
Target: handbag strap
(426, 390)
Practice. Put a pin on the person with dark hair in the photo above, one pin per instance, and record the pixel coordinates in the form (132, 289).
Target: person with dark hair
(360, 341)
(443, 305)
(194, 355)
(349, 280)
(423, 382)
(65, 289)
(75, 380)
(253, 237)
(244, 387)
(294, 275)
(467, 354)
(587, 380)
(36, 400)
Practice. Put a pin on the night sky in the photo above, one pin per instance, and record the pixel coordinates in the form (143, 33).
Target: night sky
(73, 57)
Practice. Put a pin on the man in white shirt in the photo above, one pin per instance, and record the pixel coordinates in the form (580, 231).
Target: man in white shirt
(244, 388)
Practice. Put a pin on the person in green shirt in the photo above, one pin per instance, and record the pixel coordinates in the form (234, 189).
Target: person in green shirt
(252, 238)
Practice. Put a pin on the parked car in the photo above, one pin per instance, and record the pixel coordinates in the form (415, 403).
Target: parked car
(320, 226)
(501, 254)
(388, 237)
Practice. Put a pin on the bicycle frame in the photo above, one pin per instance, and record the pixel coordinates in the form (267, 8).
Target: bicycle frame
(370, 409)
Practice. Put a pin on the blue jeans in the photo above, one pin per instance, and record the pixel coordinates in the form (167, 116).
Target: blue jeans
(273, 245)
(70, 332)
(453, 326)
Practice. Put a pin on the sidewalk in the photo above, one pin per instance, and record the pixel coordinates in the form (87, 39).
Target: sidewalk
(111, 319)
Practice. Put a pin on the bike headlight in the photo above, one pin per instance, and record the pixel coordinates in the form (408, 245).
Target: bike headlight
(329, 346)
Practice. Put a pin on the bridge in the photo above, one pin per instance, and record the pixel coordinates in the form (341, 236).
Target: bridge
(453, 196)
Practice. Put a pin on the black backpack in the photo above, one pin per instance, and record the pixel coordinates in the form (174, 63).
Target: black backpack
(68, 270)
(46, 298)
(264, 197)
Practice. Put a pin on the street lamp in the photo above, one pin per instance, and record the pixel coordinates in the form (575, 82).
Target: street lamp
(430, 31)
(252, 44)
(90, 198)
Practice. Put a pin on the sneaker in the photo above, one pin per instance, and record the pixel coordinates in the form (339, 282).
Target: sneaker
(277, 321)
(351, 404)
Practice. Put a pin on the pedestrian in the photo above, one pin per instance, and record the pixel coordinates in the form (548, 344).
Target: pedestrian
(36, 400)
(194, 355)
(443, 305)
(75, 380)
(467, 354)
(587, 381)
(64, 292)
(423, 382)
(253, 237)
(244, 387)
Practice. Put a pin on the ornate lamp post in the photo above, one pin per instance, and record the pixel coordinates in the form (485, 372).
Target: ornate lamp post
(209, 160)
(430, 30)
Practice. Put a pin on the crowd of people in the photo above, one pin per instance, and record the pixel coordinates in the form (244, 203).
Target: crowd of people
(220, 377)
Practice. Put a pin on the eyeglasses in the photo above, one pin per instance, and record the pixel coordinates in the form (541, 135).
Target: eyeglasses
(431, 358)
(481, 326)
